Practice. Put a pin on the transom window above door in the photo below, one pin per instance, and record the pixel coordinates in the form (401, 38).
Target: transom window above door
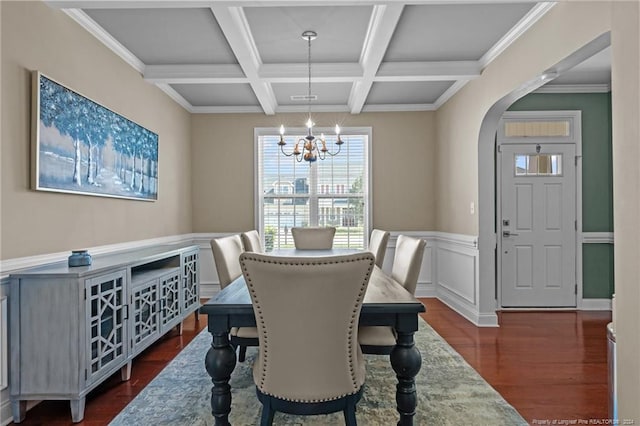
(329, 192)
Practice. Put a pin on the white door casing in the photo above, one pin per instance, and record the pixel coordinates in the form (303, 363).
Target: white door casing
(538, 212)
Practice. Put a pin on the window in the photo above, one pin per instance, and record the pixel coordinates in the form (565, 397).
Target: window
(538, 164)
(329, 192)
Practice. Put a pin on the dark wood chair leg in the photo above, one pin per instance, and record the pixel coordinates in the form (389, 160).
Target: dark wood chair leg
(242, 354)
(350, 414)
(267, 415)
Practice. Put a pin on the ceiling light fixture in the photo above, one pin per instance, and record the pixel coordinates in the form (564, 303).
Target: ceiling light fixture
(310, 151)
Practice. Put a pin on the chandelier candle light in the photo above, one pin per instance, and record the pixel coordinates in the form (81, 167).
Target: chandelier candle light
(310, 151)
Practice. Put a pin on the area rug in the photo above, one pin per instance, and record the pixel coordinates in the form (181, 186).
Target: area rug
(450, 392)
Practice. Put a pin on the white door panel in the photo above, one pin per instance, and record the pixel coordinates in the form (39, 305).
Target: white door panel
(537, 225)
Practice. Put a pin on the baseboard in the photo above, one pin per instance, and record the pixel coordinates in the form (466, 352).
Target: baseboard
(467, 310)
(425, 289)
(6, 416)
(595, 305)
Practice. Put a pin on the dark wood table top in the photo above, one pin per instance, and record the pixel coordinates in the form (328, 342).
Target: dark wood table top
(384, 295)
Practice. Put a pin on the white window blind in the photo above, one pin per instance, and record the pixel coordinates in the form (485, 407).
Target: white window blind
(329, 192)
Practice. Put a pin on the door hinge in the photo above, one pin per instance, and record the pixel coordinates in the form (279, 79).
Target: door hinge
(85, 293)
(575, 289)
(575, 225)
(86, 374)
(499, 148)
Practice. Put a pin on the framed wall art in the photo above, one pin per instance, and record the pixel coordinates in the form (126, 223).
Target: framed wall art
(81, 147)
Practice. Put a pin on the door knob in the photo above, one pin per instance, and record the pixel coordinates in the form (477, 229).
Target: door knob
(506, 234)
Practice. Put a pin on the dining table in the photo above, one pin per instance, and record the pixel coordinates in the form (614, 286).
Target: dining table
(386, 303)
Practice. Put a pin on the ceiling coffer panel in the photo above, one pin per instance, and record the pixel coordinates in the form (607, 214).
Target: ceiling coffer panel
(167, 36)
(459, 32)
(407, 92)
(277, 32)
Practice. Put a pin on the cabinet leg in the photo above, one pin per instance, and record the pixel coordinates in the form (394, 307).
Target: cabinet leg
(19, 410)
(180, 327)
(77, 409)
(125, 372)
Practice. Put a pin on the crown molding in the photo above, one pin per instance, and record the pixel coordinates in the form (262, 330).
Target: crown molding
(316, 108)
(398, 107)
(177, 97)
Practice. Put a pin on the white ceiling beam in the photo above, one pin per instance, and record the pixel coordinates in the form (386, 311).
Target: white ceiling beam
(320, 72)
(235, 27)
(194, 74)
(316, 108)
(428, 71)
(381, 27)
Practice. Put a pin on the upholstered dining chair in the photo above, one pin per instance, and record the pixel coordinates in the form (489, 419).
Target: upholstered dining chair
(378, 245)
(407, 262)
(251, 241)
(318, 237)
(226, 254)
(307, 311)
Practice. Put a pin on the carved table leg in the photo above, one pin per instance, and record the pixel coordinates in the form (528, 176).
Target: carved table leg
(220, 362)
(406, 362)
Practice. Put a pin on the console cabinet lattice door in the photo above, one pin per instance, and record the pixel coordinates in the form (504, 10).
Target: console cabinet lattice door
(190, 287)
(144, 318)
(106, 324)
(170, 300)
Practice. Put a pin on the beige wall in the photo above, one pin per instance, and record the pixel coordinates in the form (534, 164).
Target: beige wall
(625, 80)
(36, 37)
(403, 158)
(460, 119)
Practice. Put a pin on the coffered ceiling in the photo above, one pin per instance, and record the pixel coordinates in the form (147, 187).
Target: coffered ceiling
(249, 56)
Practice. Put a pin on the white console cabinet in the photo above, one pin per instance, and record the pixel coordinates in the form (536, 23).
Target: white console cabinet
(72, 327)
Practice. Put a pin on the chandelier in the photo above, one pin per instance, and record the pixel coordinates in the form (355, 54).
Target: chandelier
(310, 151)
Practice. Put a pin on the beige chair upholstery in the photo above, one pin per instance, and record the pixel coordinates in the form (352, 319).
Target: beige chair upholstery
(226, 254)
(252, 242)
(378, 245)
(307, 311)
(407, 263)
(313, 237)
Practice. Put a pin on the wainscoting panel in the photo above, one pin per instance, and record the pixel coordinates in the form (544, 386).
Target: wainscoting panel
(457, 282)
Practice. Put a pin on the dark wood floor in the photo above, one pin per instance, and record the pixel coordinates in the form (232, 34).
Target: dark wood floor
(548, 365)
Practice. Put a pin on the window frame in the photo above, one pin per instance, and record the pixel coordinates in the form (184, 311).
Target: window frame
(346, 131)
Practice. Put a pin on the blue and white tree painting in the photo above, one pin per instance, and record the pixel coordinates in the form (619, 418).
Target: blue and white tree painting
(85, 148)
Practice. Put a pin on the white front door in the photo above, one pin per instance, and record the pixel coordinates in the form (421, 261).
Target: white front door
(537, 225)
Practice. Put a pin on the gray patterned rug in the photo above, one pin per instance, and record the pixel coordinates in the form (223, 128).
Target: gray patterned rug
(450, 392)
